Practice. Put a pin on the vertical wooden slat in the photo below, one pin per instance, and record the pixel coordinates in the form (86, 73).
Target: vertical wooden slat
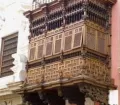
(91, 39)
(40, 48)
(101, 42)
(57, 43)
(32, 51)
(9, 47)
(68, 41)
(49, 46)
(77, 38)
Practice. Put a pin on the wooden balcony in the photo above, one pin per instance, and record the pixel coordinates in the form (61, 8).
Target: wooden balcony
(70, 44)
(73, 37)
(79, 53)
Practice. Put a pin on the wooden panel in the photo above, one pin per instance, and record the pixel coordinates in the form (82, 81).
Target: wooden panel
(49, 46)
(32, 51)
(91, 38)
(70, 68)
(68, 41)
(40, 49)
(101, 42)
(77, 38)
(9, 47)
(58, 42)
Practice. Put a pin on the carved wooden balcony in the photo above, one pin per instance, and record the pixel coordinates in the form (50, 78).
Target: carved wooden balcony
(72, 70)
(75, 36)
(69, 55)
(70, 43)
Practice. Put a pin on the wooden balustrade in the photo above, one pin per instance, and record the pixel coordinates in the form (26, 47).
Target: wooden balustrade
(70, 40)
(73, 68)
(58, 41)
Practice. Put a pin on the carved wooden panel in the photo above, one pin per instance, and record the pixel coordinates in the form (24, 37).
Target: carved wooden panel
(58, 44)
(91, 38)
(69, 69)
(32, 51)
(9, 47)
(77, 38)
(68, 41)
(49, 46)
(53, 44)
(101, 42)
(40, 45)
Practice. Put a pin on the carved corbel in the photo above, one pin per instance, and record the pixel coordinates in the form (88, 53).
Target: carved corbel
(43, 97)
(43, 62)
(25, 99)
(64, 3)
(60, 93)
(83, 52)
(84, 8)
(108, 18)
(95, 93)
(46, 19)
(61, 57)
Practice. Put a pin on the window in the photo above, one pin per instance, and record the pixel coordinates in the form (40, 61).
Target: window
(9, 47)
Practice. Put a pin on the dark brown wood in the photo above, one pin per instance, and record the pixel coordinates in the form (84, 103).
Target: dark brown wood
(69, 47)
(9, 47)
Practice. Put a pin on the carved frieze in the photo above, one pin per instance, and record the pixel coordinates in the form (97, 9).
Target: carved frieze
(78, 67)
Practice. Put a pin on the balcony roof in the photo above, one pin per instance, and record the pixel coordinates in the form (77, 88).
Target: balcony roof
(54, 2)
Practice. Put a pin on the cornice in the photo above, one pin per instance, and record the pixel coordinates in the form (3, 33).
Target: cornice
(11, 87)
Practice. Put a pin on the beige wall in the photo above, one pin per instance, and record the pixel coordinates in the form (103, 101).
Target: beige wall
(11, 100)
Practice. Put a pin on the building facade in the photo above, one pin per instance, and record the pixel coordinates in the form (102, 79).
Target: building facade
(69, 53)
(67, 56)
(13, 41)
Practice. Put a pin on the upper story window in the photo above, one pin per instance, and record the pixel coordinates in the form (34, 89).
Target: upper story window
(9, 47)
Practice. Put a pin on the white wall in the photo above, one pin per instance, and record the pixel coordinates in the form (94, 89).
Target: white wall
(113, 97)
(15, 21)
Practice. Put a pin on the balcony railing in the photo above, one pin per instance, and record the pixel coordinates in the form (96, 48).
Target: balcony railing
(77, 68)
(74, 36)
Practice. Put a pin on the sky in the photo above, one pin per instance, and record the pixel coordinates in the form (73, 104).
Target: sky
(8, 2)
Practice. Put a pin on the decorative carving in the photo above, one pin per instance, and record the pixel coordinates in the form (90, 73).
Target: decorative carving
(84, 7)
(69, 25)
(95, 93)
(75, 67)
(52, 45)
(64, 3)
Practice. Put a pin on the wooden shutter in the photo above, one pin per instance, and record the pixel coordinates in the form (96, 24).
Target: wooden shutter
(77, 38)
(49, 46)
(91, 38)
(9, 47)
(58, 42)
(101, 42)
(32, 51)
(40, 46)
(68, 41)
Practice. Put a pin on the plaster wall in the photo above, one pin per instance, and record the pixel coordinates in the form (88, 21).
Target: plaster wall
(12, 20)
(115, 52)
(11, 100)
